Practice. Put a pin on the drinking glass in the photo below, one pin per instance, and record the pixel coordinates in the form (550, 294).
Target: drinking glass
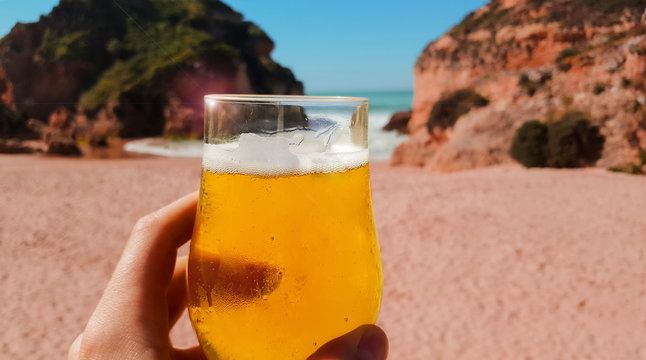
(284, 255)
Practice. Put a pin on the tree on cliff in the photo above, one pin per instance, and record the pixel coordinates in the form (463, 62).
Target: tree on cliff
(136, 55)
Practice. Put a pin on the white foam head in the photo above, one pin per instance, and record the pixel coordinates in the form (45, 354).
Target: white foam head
(273, 156)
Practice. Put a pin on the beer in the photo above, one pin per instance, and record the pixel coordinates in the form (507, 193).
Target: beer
(284, 257)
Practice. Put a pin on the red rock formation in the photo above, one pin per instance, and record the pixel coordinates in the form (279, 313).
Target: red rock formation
(399, 122)
(87, 55)
(533, 60)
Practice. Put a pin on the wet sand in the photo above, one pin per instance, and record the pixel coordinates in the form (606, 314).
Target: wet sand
(496, 263)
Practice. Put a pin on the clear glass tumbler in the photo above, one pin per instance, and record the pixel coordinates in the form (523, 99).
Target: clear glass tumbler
(284, 255)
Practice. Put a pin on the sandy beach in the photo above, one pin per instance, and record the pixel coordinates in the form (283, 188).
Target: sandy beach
(495, 263)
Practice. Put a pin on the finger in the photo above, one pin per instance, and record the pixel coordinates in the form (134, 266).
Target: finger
(176, 294)
(193, 353)
(133, 311)
(367, 342)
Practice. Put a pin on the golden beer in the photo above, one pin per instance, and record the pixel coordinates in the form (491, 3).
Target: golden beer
(284, 256)
(281, 264)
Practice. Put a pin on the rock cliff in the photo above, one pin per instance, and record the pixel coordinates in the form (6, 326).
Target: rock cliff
(145, 64)
(532, 59)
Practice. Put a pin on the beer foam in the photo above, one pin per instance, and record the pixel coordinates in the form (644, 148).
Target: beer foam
(273, 156)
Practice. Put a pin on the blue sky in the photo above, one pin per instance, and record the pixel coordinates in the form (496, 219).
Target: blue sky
(329, 44)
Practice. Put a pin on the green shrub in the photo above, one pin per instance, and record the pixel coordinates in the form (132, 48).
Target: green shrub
(255, 31)
(632, 169)
(567, 143)
(614, 6)
(529, 144)
(617, 36)
(136, 74)
(492, 19)
(448, 109)
(566, 54)
(637, 49)
(573, 142)
(599, 88)
(57, 47)
(565, 58)
(567, 100)
(179, 9)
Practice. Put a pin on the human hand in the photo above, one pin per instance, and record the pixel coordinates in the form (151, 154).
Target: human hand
(147, 294)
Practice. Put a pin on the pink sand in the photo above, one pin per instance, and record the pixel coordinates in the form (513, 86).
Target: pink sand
(497, 263)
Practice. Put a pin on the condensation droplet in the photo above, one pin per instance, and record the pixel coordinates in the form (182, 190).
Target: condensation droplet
(265, 297)
(315, 343)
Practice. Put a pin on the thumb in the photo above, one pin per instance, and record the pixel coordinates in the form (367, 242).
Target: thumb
(75, 348)
(367, 342)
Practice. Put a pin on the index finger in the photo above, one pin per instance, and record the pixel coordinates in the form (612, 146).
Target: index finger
(133, 308)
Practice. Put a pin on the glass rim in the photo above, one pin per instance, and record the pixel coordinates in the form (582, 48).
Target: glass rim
(286, 99)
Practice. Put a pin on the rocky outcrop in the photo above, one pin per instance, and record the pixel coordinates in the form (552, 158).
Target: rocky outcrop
(399, 122)
(532, 60)
(147, 62)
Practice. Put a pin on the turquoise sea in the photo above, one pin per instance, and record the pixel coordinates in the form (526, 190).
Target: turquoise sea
(390, 100)
(381, 144)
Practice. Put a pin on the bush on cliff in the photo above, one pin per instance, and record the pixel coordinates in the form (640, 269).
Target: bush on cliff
(449, 108)
(72, 46)
(569, 142)
(529, 144)
(613, 6)
(492, 19)
(138, 73)
(566, 57)
(599, 88)
(573, 142)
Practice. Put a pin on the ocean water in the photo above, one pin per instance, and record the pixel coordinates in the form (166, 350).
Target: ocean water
(380, 143)
(383, 104)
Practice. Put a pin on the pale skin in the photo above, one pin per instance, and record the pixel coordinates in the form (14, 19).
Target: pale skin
(147, 294)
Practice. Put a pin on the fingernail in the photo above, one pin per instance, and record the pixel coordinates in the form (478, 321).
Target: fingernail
(373, 345)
